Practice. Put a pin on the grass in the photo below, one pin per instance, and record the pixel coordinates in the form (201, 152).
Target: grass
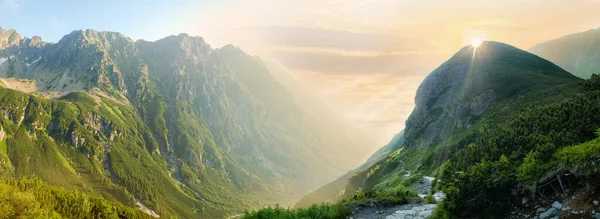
(32, 198)
(323, 211)
(582, 158)
(341, 209)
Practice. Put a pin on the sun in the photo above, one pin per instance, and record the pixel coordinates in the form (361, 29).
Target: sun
(476, 42)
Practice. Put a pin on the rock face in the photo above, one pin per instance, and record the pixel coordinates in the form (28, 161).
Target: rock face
(461, 90)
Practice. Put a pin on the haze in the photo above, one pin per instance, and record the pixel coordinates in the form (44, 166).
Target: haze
(363, 58)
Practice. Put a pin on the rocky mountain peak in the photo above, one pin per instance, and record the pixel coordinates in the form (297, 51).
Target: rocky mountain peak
(458, 92)
(9, 38)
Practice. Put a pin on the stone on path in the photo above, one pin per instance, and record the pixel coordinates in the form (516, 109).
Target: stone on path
(549, 213)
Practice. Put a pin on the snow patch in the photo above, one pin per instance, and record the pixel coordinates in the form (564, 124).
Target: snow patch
(37, 60)
(3, 60)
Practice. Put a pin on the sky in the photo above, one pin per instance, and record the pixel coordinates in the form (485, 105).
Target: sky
(365, 58)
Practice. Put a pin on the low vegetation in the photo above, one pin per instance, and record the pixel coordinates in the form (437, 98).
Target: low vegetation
(519, 154)
(32, 198)
(398, 194)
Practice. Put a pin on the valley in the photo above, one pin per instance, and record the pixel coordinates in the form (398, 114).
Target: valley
(299, 109)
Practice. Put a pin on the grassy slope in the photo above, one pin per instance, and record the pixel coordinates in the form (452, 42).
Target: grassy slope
(32, 198)
(42, 144)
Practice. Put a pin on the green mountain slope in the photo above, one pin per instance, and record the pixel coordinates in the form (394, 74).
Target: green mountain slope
(492, 170)
(577, 53)
(489, 90)
(32, 198)
(461, 90)
(185, 129)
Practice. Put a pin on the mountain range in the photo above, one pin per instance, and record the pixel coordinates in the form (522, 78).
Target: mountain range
(176, 128)
(174, 125)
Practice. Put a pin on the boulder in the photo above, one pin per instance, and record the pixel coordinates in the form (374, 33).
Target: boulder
(540, 210)
(557, 205)
(549, 213)
(596, 202)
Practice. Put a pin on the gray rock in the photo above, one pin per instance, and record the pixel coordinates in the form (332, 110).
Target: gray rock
(574, 212)
(597, 215)
(557, 205)
(596, 202)
(549, 213)
(593, 212)
(540, 210)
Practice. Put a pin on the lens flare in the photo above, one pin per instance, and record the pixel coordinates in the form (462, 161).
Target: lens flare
(476, 42)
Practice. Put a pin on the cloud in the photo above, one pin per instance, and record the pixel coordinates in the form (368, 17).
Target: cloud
(342, 52)
(319, 37)
(336, 63)
(333, 51)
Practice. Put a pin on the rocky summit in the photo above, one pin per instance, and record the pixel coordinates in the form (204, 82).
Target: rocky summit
(457, 94)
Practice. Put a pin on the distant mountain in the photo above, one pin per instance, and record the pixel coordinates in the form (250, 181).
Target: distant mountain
(474, 92)
(577, 53)
(180, 127)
